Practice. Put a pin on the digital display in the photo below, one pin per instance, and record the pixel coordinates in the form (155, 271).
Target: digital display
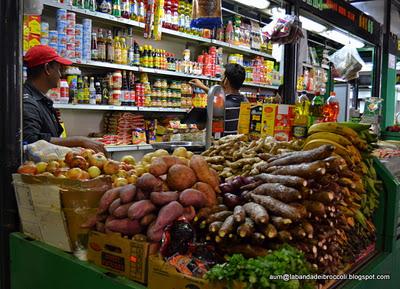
(112, 261)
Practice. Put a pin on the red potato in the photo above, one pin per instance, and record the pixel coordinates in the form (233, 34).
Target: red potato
(166, 216)
(122, 211)
(163, 198)
(140, 209)
(208, 192)
(127, 194)
(192, 197)
(107, 199)
(154, 235)
(115, 204)
(124, 226)
(189, 213)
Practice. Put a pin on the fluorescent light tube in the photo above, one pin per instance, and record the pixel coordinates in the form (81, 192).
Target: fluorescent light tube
(342, 38)
(311, 25)
(259, 4)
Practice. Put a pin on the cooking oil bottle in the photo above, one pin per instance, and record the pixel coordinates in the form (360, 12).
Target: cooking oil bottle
(302, 113)
(331, 108)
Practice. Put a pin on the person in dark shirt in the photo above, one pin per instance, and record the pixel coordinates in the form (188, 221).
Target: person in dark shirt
(40, 121)
(232, 81)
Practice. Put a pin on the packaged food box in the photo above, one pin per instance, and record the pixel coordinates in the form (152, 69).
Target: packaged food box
(33, 23)
(121, 256)
(277, 121)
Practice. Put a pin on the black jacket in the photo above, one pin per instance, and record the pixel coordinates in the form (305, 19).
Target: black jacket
(40, 119)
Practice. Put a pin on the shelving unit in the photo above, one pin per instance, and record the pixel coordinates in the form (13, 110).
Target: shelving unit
(128, 148)
(119, 108)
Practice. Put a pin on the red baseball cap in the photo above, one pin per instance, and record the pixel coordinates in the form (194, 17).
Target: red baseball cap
(42, 54)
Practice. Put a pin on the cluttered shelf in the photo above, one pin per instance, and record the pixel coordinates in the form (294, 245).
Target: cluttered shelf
(118, 108)
(128, 148)
(122, 21)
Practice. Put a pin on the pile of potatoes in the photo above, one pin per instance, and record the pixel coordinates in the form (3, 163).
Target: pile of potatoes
(174, 186)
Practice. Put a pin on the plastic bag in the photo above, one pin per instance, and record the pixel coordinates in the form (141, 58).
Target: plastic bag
(284, 30)
(43, 151)
(207, 14)
(347, 63)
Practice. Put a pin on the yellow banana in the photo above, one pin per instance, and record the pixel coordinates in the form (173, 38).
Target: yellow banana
(330, 136)
(339, 149)
(333, 127)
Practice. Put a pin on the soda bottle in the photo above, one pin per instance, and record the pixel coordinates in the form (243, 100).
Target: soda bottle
(125, 9)
(316, 109)
(110, 47)
(97, 87)
(331, 108)
(117, 50)
(94, 48)
(134, 9)
(92, 92)
(302, 113)
(101, 47)
(116, 8)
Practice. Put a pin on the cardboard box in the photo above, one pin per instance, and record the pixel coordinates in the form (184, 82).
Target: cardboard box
(33, 40)
(244, 118)
(41, 205)
(277, 121)
(119, 255)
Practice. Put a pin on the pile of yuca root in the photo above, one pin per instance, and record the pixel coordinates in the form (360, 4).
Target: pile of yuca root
(235, 155)
(310, 199)
(174, 187)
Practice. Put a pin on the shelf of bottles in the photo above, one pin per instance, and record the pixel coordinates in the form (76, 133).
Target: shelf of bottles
(138, 24)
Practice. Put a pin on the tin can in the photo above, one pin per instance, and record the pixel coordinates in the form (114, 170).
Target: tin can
(53, 45)
(71, 46)
(44, 28)
(62, 50)
(79, 30)
(44, 41)
(70, 53)
(71, 16)
(78, 53)
(62, 39)
(71, 39)
(53, 36)
(62, 26)
(61, 14)
(71, 23)
(87, 24)
(70, 31)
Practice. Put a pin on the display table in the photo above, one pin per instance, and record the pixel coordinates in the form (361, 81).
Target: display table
(37, 265)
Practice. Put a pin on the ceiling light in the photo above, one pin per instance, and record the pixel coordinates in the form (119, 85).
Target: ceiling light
(342, 38)
(311, 25)
(259, 4)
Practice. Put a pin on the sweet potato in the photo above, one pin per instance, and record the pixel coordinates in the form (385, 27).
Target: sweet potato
(227, 226)
(232, 200)
(319, 153)
(140, 195)
(277, 207)
(124, 226)
(167, 215)
(246, 229)
(192, 197)
(107, 199)
(173, 160)
(189, 213)
(290, 181)
(163, 198)
(158, 167)
(147, 220)
(154, 235)
(199, 165)
(208, 192)
(239, 214)
(180, 177)
(140, 209)
(305, 170)
(149, 183)
(122, 211)
(127, 194)
(100, 227)
(278, 191)
(115, 204)
(256, 212)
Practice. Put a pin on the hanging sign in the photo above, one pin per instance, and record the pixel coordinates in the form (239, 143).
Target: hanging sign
(345, 16)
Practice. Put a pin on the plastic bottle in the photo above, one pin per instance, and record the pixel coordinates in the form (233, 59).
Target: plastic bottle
(110, 47)
(117, 50)
(80, 92)
(229, 32)
(101, 47)
(92, 92)
(64, 91)
(124, 52)
(125, 9)
(134, 9)
(316, 109)
(302, 113)
(94, 48)
(105, 6)
(116, 8)
(331, 108)
(97, 87)
(141, 10)
(86, 91)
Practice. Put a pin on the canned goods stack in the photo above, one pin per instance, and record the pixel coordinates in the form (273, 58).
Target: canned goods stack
(78, 41)
(87, 39)
(62, 32)
(71, 22)
(44, 34)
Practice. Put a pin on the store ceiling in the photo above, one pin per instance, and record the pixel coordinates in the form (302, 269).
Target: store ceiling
(375, 9)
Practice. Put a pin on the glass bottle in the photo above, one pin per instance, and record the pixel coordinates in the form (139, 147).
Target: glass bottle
(116, 8)
(92, 92)
(110, 47)
(316, 109)
(124, 52)
(94, 47)
(125, 9)
(134, 9)
(86, 91)
(79, 87)
(117, 50)
(101, 47)
(97, 87)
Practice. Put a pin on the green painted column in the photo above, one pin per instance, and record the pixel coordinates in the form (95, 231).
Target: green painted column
(388, 82)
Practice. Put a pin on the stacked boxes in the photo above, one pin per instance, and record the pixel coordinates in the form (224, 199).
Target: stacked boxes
(87, 39)
(70, 31)
(32, 31)
(78, 41)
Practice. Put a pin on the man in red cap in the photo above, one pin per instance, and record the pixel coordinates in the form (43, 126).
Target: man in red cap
(44, 70)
